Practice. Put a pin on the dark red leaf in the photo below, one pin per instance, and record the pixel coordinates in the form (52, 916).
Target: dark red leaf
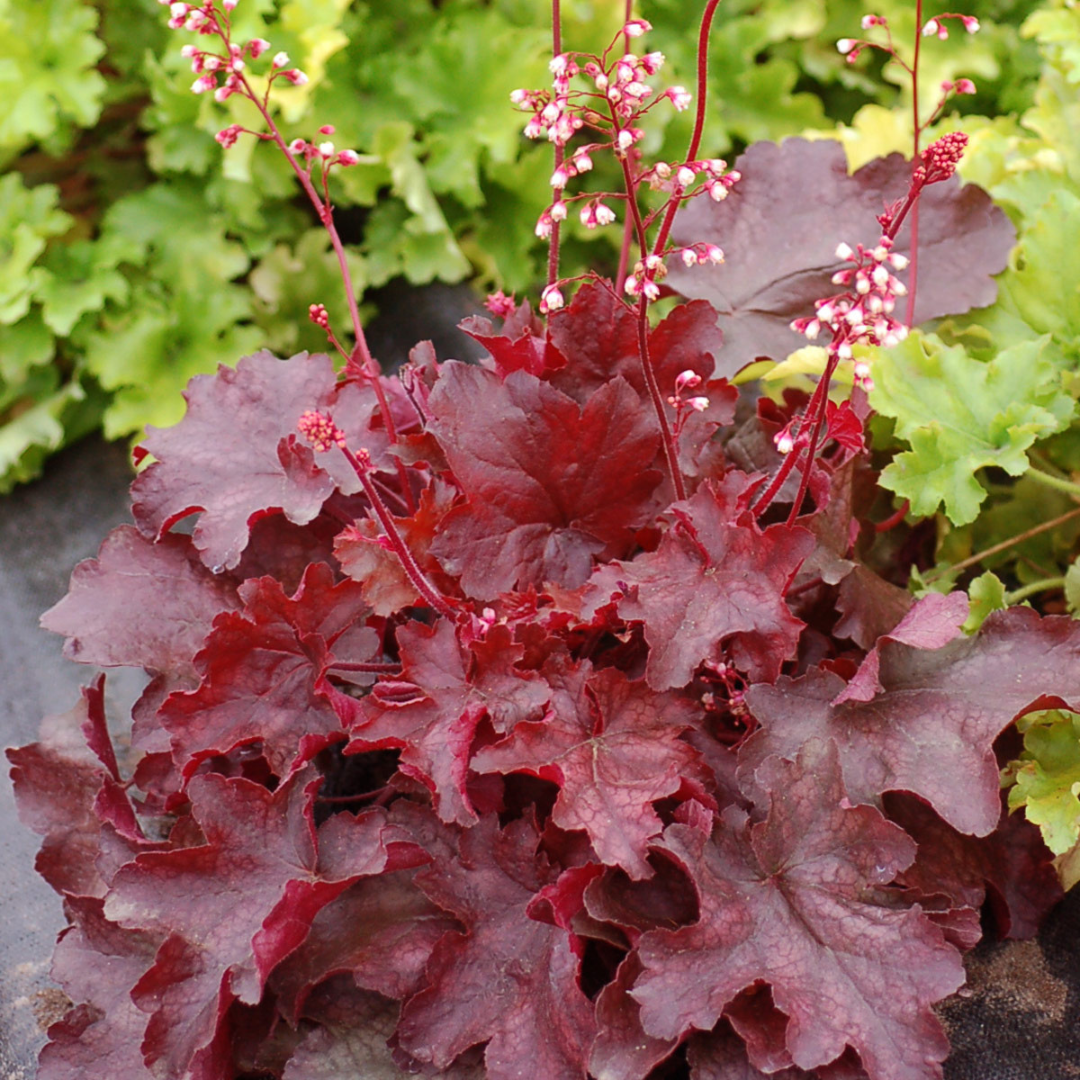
(236, 905)
(795, 901)
(622, 1050)
(260, 667)
(97, 963)
(716, 583)
(367, 558)
(613, 747)
(234, 455)
(517, 348)
(721, 1055)
(380, 930)
(140, 604)
(509, 980)
(931, 728)
(929, 623)
(794, 204)
(549, 485)
(1012, 860)
(598, 337)
(432, 710)
(57, 782)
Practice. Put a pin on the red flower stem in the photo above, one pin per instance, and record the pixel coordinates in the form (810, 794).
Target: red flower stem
(366, 365)
(671, 452)
(628, 225)
(814, 407)
(560, 153)
(815, 434)
(434, 598)
(913, 266)
(699, 122)
(624, 255)
(894, 519)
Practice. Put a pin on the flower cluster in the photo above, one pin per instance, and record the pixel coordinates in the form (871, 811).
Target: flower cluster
(940, 158)
(324, 151)
(320, 430)
(685, 407)
(617, 97)
(862, 314)
(223, 74)
(935, 27)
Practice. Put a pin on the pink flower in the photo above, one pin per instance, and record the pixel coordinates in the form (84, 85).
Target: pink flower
(348, 157)
(680, 97)
(971, 24)
(280, 60)
(964, 86)
(845, 45)
(500, 305)
(636, 28)
(320, 430)
(296, 77)
(228, 136)
(201, 85)
(652, 62)
(551, 299)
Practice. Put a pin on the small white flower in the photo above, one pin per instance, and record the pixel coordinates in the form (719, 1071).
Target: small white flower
(551, 299)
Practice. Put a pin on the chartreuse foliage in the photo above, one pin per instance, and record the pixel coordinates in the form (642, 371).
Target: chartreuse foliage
(1046, 778)
(98, 94)
(960, 414)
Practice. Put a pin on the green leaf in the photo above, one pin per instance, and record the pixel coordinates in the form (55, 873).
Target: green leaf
(1042, 285)
(985, 594)
(1046, 778)
(28, 217)
(1072, 588)
(960, 414)
(24, 345)
(47, 71)
(147, 354)
(37, 430)
(79, 278)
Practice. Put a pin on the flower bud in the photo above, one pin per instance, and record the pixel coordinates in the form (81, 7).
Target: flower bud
(551, 299)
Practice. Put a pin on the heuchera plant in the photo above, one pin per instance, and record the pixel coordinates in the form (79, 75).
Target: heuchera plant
(559, 715)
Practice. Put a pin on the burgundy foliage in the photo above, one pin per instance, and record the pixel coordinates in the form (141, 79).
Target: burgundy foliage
(795, 203)
(530, 769)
